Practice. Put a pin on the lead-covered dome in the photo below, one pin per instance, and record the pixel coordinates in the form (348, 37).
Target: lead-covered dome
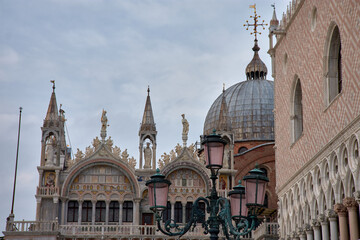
(246, 106)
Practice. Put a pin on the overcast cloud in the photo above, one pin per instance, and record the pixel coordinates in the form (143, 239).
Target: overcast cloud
(103, 55)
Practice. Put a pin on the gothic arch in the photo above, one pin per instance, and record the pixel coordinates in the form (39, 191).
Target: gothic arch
(354, 159)
(296, 109)
(332, 63)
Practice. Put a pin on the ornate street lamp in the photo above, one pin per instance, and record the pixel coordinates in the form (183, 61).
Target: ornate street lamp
(242, 208)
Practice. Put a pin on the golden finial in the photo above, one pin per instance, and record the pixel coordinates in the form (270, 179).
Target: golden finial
(256, 24)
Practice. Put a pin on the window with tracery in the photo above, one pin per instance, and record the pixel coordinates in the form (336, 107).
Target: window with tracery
(128, 211)
(73, 211)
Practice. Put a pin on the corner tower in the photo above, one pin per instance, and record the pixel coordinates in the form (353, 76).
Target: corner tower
(147, 134)
(53, 156)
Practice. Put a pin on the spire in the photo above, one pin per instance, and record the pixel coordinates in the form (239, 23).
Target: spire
(148, 123)
(52, 112)
(274, 23)
(224, 123)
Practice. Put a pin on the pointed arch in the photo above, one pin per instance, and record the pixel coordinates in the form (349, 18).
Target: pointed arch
(332, 63)
(296, 116)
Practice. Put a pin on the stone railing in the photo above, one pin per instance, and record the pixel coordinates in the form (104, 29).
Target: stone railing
(47, 191)
(266, 230)
(31, 226)
(122, 230)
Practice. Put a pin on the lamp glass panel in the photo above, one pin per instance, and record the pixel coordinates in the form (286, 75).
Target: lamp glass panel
(215, 151)
(162, 190)
(237, 200)
(251, 191)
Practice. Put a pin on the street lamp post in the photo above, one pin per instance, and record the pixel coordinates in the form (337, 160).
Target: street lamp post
(242, 209)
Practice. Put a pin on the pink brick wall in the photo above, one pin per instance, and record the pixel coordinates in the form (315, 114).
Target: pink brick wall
(305, 50)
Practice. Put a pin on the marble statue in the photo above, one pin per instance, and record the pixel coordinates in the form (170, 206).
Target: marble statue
(185, 124)
(50, 151)
(185, 131)
(147, 155)
(104, 121)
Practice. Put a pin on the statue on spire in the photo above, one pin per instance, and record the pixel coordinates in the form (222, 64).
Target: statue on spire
(185, 131)
(104, 125)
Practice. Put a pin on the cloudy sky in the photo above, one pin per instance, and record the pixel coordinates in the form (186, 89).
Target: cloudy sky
(103, 55)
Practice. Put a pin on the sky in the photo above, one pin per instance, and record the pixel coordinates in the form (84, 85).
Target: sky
(104, 55)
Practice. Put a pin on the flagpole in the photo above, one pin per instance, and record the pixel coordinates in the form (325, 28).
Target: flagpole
(16, 164)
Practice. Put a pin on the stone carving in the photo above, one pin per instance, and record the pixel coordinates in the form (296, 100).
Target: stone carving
(185, 131)
(164, 160)
(96, 143)
(116, 151)
(178, 149)
(308, 228)
(172, 155)
(147, 155)
(89, 151)
(350, 203)
(331, 214)
(79, 155)
(50, 151)
(340, 209)
(109, 143)
(322, 218)
(132, 162)
(125, 155)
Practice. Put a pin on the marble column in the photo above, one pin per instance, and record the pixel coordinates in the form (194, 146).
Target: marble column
(172, 210)
(93, 212)
(107, 202)
(41, 173)
(324, 226)
(136, 212)
(343, 225)
(120, 212)
(352, 208)
(316, 227)
(309, 232)
(183, 212)
(63, 210)
(141, 156)
(80, 211)
(38, 208)
(332, 216)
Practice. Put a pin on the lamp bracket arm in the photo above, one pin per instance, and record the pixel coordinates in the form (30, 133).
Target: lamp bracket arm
(242, 225)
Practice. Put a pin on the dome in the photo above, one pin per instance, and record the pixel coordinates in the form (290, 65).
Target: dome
(247, 106)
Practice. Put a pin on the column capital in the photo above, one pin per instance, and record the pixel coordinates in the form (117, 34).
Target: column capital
(357, 196)
(301, 231)
(340, 209)
(350, 203)
(315, 223)
(137, 200)
(331, 214)
(308, 228)
(322, 219)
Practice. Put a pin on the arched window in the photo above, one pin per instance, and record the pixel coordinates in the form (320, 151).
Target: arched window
(128, 211)
(86, 211)
(114, 211)
(188, 211)
(100, 211)
(73, 211)
(297, 110)
(167, 212)
(242, 149)
(334, 79)
(178, 212)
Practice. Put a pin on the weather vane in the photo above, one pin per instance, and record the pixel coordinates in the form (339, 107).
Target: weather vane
(256, 24)
(53, 82)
